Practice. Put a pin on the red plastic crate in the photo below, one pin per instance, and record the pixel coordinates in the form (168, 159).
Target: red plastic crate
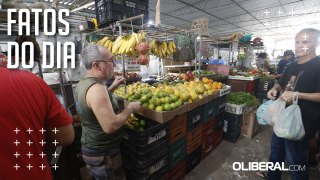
(177, 172)
(217, 137)
(177, 128)
(251, 87)
(194, 139)
(208, 127)
(207, 146)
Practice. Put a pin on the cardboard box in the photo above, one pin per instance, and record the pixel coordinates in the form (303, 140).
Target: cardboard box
(250, 126)
(161, 117)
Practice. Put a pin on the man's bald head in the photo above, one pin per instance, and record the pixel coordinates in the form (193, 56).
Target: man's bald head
(93, 53)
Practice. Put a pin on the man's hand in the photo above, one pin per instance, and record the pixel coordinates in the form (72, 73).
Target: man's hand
(272, 93)
(116, 83)
(287, 96)
(134, 106)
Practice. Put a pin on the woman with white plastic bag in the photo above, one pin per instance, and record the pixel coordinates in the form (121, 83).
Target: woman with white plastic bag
(289, 123)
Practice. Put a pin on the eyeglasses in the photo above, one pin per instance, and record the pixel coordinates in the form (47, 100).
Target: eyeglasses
(113, 61)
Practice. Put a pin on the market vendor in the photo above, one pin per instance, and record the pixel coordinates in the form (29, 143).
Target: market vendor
(101, 119)
(288, 58)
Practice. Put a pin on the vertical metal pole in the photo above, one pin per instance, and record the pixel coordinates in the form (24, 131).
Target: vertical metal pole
(230, 52)
(122, 61)
(200, 45)
(196, 54)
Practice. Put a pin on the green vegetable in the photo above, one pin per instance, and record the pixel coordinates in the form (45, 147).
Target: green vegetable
(239, 98)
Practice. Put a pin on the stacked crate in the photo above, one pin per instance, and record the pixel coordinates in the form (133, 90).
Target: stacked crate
(177, 147)
(263, 88)
(145, 153)
(194, 135)
(232, 126)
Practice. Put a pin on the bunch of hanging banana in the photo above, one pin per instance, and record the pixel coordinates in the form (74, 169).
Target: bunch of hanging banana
(162, 49)
(106, 42)
(127, 44)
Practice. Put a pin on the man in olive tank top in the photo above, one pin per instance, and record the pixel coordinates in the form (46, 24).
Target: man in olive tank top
(102, 122)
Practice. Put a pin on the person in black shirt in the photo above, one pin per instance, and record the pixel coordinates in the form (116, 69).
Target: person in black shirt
(307, 82)
(288, 58)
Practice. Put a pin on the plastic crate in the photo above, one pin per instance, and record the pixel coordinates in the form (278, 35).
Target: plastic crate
(220, 121)
(232, 123)
(145, 157)
(264, 86)
(195, 118)
(234, 108)
(231, 137)
(207, 145)
(210, 110)
(153, 133)
(177, 152)
(194, 139)
(177, 172)
(217, 137)
(177, 128)
(225, 90)
(193, 159)
(148, 171)
(221, 104)
(110, 11)
(208, 127)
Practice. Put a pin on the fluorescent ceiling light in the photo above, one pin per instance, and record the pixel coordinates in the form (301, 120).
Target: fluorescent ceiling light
(83, 7)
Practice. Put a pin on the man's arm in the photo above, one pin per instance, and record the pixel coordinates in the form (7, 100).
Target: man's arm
(313, 97)
(117, 81)
(98, 99)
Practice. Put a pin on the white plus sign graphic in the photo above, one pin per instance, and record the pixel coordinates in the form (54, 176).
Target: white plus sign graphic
(42, 142)
(42, 130)
(266, 12)
(42, 167)
(16, 167)
(279, 24)
(55, 130)
(305, 36)
(55, 167)
(279, 12)
(29, 167)
(16, 154)
(305, 48)
(292, 12)
(29, 131)
(16, 130)
(55, 142)
(16, 142)
(29, 142)
(55, 154)
(29, 154)
(42, 154)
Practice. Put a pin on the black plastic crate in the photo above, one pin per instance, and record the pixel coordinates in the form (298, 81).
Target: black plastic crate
(233, 123)
(231, 137)
(153, 133)
(210, 110)
(146, 157)
(195, 118)
(110, 11)
(177, 152)
(147, 171)
(220, 121)
(221, 104)
(193, 159)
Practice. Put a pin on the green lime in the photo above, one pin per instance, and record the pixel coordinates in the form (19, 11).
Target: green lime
(174, 97)
(144, 99)
(142, 123)
(166, 107)
(159, 108)
(151, 106)
(145, 105)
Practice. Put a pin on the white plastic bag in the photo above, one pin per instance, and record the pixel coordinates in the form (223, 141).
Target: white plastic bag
(260, 112)
(290, 125)
(272, 112)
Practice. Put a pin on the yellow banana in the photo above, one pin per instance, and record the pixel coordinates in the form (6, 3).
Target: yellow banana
(136, 36)
(117, 45)
(102, 41)
(106, 44)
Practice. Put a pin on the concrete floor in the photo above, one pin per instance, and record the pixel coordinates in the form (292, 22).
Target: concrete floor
(218, 165)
